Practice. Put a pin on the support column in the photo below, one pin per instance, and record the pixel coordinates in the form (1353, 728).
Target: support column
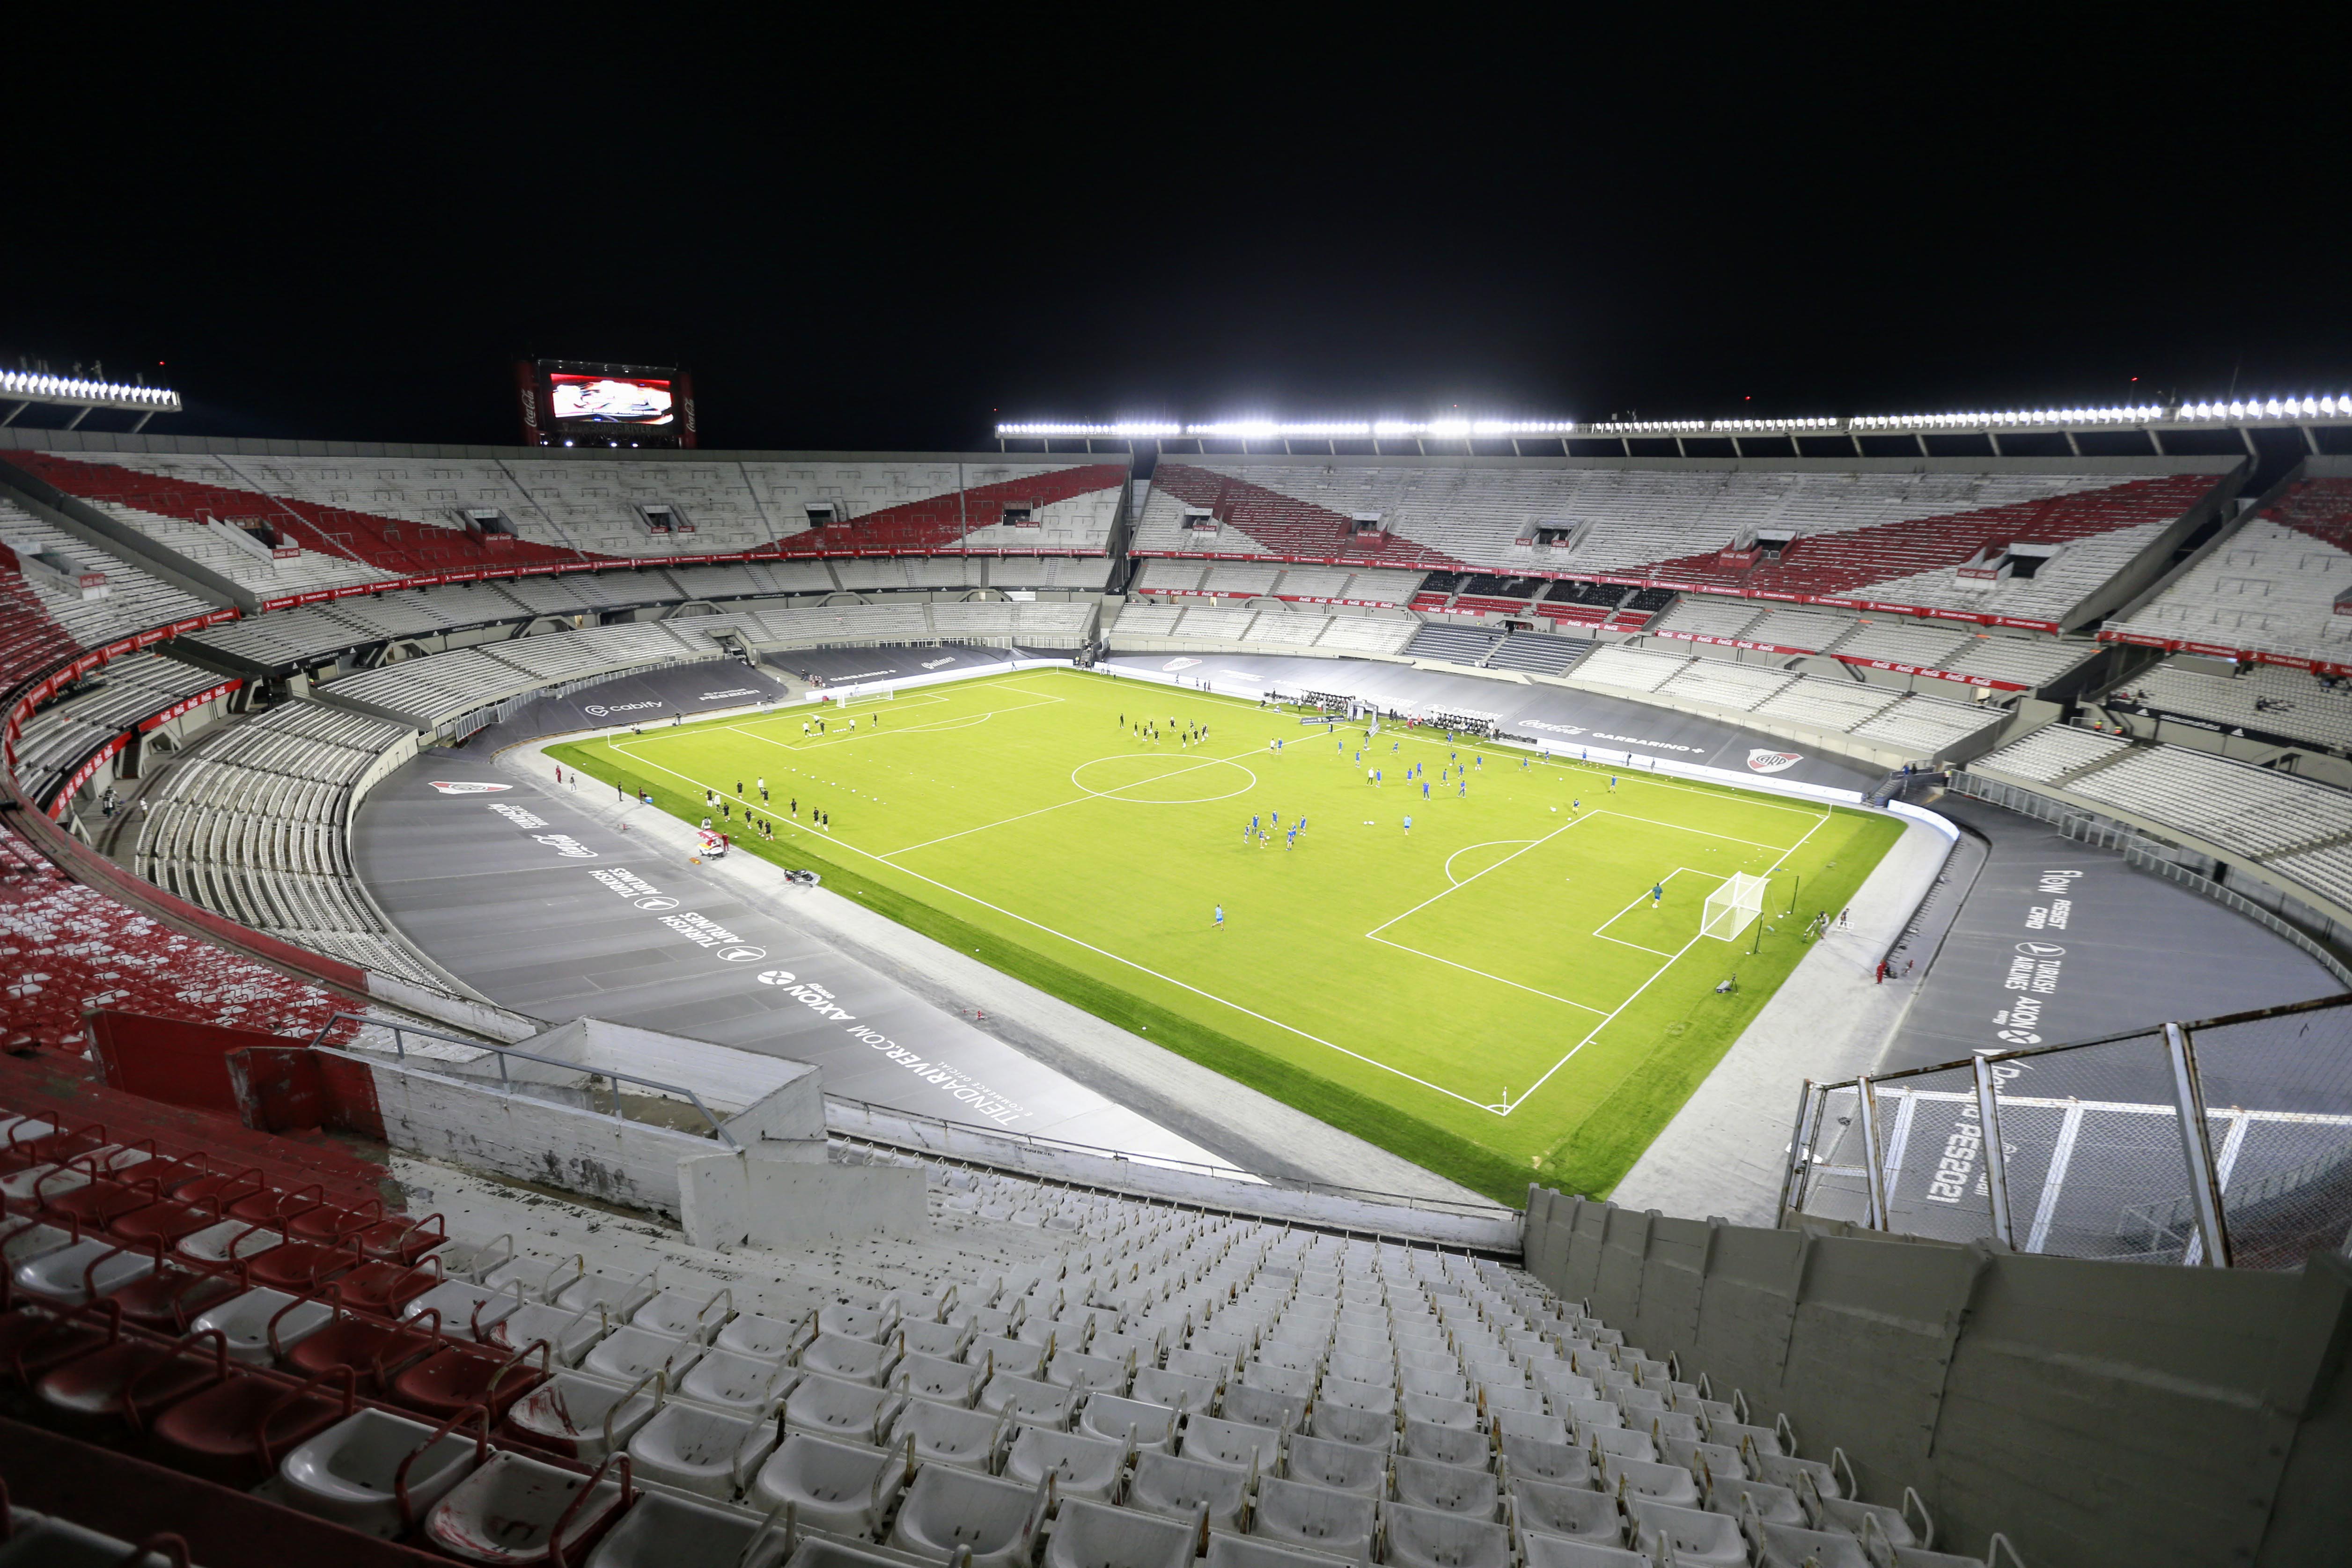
(1874, 1174)
(2204, 1191)
(1800, 1147)
(1996, 1157)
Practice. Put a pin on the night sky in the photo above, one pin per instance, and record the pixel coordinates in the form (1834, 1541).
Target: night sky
(891, 238)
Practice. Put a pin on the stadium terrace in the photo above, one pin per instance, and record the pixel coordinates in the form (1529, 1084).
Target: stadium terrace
(1460, 992)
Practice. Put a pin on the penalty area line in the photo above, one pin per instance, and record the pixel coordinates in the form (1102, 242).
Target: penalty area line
(1645, 985)
(1139, 968)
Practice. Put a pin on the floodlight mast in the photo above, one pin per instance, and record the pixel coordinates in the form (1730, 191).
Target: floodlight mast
(2152, 420)
(83, 393)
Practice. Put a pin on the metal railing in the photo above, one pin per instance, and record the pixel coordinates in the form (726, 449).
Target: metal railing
(967, 1133)
(2151, 854)
(507, 1084)
(2222, 1142)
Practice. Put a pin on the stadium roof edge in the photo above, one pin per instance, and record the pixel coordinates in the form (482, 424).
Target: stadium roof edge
(2254, 413)
(2222, 463)
(99, 442)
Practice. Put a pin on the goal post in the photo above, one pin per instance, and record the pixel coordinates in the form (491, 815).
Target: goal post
(861, 694)
(1733, 907)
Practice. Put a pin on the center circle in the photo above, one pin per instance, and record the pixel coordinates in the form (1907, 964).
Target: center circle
(1163, 781)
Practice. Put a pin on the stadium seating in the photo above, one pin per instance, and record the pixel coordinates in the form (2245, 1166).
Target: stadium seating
(112, 700)
(2049, 755)
(2292, 826)
(254, 822)
(1926, 726)
(1367, 634)
(1329, 1395)
(1273, 628)
(1815, 629)
(200, 488)
(1826, 704)
(2014, 661)
(1895, 537)
(1537, 654)
(2270, 699)
(1706, 615)
(132, 599)
(356, 517)
(1204, 621)
(2021, 661)
(1202, 1383)
(241, 557)
(66, 947)
(1735, 686)
(1455, 645)
(2246, 810)
(2271, 586)
(428, 693)
(1629, 668)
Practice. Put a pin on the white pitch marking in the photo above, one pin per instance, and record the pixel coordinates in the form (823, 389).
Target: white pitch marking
(1645, 985)
(1139, 968)
(1466, 849)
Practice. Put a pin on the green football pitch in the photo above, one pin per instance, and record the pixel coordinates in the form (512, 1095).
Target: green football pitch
(1495, 993)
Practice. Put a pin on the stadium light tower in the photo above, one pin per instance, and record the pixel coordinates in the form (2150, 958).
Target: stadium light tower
(2150, 422)
(27, 387)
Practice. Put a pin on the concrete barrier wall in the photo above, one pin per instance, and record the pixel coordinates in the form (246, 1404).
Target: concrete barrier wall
(739, 1199)
(442, 1118)
(2095, 1413)
(1495, 1229)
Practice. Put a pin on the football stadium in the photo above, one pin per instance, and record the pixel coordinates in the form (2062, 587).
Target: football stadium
(977, 799)
(1582, 993)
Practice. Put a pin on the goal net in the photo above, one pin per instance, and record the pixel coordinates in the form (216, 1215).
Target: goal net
(866, 694)
(1733, 907)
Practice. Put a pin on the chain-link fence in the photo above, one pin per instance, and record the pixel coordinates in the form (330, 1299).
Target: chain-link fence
(2226, 1141)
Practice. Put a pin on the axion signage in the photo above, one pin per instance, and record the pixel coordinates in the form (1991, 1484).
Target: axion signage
(817, 998)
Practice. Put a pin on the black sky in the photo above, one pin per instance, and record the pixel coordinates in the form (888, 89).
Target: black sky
(882, 236)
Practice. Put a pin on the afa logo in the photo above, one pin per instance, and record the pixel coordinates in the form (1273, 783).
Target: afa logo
(466, 786)
(1180, 664)
(1765, 762)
